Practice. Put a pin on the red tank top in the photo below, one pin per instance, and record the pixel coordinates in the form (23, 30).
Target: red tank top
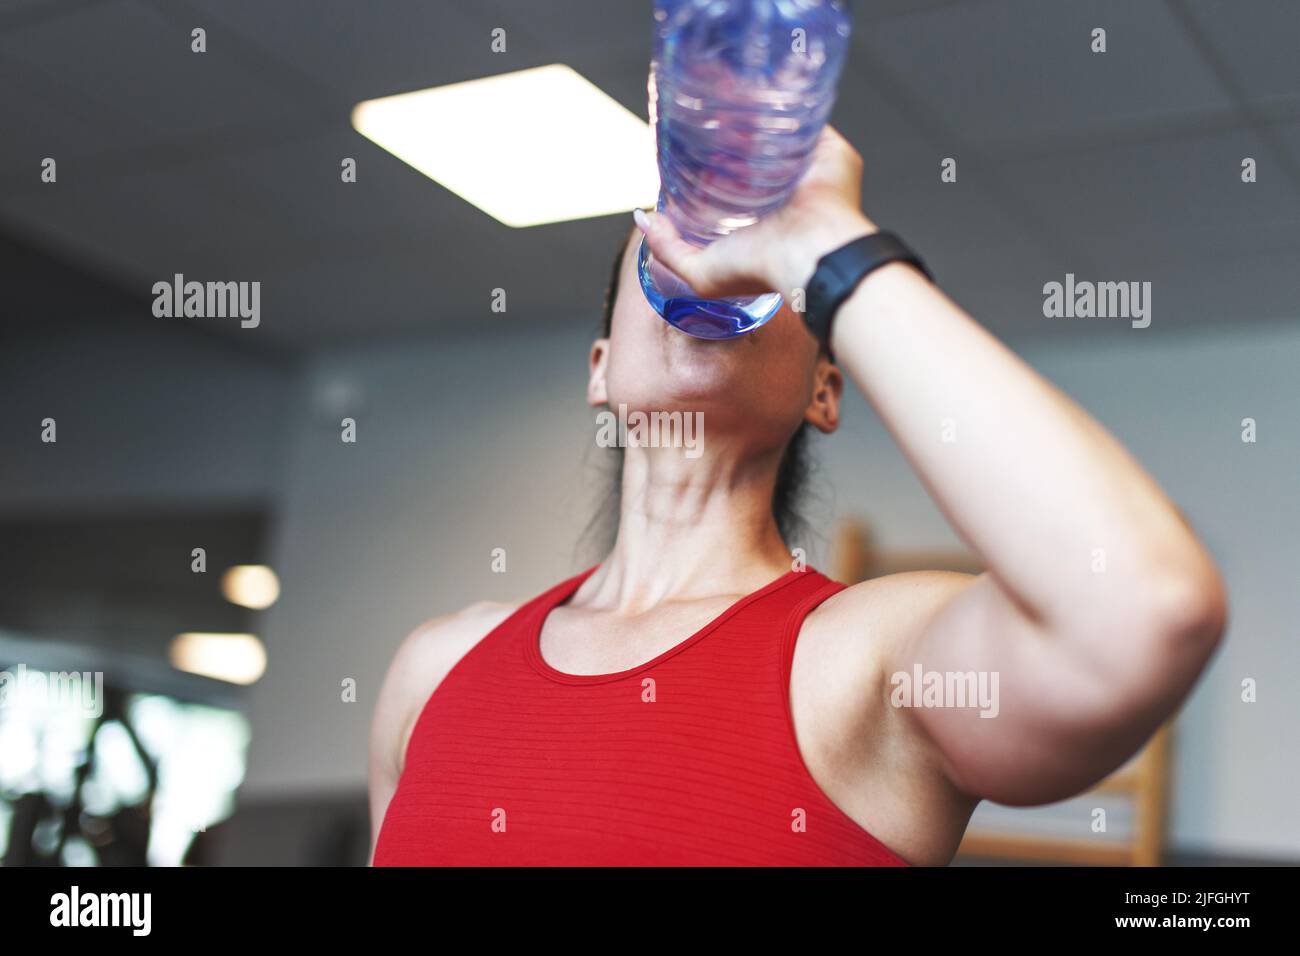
(688, 759)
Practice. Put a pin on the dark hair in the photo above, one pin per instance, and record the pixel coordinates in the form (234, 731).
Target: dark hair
(793, 474)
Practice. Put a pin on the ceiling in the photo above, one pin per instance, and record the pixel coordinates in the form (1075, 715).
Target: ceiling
(225, 165)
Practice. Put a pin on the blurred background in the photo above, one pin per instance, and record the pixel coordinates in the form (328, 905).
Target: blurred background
(221, 716)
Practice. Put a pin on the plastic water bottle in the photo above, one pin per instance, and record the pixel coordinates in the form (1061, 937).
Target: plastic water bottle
(739, 92)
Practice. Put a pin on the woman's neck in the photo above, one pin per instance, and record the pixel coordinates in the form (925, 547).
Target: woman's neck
(690, 528)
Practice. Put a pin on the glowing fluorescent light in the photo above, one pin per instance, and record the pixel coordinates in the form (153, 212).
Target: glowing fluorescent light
(536, 146)
(250, 585)
(234, 658)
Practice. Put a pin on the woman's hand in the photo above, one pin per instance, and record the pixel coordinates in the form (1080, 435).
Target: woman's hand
(781, 251)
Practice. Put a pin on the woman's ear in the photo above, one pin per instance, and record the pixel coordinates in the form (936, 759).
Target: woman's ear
(597, 363)
(823, 411)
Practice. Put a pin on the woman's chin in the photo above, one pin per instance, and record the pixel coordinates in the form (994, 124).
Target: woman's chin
(691, 380)
(705, 369)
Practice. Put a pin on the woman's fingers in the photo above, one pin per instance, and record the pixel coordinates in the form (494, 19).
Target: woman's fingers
(672, 250)
(780, 251)
(720, 268)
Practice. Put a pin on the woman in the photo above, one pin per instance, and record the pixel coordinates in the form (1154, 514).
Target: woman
(698, 699)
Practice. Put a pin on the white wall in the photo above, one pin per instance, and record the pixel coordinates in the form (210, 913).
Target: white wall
(461, 448)
(465, 446)
(146, 416)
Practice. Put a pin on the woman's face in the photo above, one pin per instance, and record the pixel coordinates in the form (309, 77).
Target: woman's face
(763, 383)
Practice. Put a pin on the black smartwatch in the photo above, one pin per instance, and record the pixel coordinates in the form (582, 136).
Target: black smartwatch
(839, 272)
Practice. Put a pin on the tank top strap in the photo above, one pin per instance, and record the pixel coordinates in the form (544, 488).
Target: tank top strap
(817, 591)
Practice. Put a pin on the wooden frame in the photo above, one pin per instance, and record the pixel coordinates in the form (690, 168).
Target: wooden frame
(1145, 780)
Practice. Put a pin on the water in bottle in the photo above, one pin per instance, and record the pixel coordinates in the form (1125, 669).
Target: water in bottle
(739, 92)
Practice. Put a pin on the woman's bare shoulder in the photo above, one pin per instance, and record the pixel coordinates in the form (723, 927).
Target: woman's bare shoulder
(423, 659)
(425, 656)
(432, 649)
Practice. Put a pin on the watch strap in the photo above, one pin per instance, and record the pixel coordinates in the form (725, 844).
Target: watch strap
(840, 271)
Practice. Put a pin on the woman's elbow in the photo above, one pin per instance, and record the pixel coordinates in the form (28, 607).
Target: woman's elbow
(1186, 607)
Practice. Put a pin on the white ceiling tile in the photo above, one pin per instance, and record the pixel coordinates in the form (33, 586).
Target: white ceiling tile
(1288, 136)
(137, 68)
(1248, 39)
(368, 49)
(1013, 68)
(416, 284)
(1122, 198)
(42, 116)
(147, 226)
